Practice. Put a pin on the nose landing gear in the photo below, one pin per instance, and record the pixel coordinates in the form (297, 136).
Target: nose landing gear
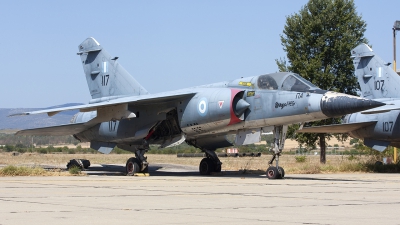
(277, 172)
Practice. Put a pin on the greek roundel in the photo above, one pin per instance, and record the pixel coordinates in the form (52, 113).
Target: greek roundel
(202, 107)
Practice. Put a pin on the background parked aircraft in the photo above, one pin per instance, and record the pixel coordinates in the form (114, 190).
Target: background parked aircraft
(379, 127)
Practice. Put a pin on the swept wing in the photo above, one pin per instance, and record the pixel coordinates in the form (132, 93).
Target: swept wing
(117, 103)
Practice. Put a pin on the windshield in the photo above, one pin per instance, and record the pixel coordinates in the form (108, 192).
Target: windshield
(305, 81)
(296, 83)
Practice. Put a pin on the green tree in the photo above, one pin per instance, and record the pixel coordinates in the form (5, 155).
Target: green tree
(317, 41)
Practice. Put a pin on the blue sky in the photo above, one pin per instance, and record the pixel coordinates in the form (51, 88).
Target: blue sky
(165, 45)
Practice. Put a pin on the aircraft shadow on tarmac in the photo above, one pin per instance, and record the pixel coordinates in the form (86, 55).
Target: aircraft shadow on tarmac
(165, 170)
(154, 170)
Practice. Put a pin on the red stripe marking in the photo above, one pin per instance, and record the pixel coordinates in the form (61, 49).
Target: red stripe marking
(234, 118)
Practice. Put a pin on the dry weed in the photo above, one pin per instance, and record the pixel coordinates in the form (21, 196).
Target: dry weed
(245, 164)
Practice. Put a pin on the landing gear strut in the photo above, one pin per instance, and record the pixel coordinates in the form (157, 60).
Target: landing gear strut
(210, 164)
(137, 164)
(277, 172)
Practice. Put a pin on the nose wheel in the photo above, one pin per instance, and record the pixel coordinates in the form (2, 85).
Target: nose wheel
(275, 173)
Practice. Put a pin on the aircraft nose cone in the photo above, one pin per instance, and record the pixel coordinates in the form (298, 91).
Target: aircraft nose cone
(240, 107)
(337, 104)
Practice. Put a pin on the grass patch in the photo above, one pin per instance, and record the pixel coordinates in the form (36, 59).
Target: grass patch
(389, 168)
(13, 171)
(310, 168)
(300, 158)
(348, 166)
(22, 171)
(303, 168)
(311, 164)
(74, 170)
(328, 168)
(351, 157)
(352, 167)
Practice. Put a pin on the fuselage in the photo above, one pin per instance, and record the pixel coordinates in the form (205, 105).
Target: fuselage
(258, 102)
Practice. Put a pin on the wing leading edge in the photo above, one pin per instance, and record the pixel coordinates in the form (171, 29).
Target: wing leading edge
(382, 109)
(144, 99)
(67, 129)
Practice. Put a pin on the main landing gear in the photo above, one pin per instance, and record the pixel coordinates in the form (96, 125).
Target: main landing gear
(277, 172)
(137, 164)
(210, 164)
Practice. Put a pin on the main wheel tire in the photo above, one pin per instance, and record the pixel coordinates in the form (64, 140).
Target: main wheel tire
(132, 166)
(272, 173)
(206, 166)
(85, 163)
(282, 172)
(75, 163)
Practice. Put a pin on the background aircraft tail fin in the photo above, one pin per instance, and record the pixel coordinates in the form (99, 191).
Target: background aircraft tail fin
(377, 79)
(104, 75)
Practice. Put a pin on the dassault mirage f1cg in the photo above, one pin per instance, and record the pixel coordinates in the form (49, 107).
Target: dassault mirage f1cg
(378, 127)
(122, 113)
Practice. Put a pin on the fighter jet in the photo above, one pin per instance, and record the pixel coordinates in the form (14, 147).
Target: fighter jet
(378, 127)
(122, 113)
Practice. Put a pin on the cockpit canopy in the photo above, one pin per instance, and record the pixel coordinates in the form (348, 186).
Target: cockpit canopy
(283, 81)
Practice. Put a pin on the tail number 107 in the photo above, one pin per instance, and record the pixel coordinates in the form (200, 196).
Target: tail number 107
(379, 84)
(387, 126)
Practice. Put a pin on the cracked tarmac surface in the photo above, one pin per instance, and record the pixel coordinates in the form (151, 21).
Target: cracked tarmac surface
(177, 195)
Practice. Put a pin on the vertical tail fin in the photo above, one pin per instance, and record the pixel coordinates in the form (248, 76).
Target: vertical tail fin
(376, 78)
(104, 75)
